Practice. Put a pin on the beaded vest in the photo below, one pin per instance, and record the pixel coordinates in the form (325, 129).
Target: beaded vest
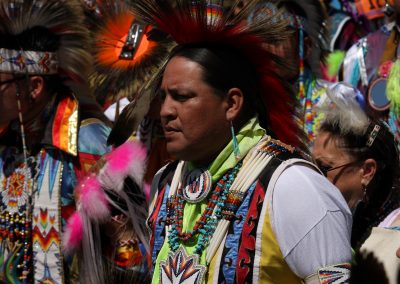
(235, 258)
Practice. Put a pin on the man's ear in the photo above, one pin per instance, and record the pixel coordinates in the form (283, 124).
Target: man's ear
(235, 101)
(368, 171)
(36, 87)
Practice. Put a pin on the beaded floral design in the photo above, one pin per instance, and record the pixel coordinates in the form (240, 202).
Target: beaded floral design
(15, 220)
(14, 195)
(180, 268)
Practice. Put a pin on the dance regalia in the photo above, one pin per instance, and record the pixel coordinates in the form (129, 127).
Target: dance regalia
(69, 147)
(251, 246)
(372, 59)
(362, 61)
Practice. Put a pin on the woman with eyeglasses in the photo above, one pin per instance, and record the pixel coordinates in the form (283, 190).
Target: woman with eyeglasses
(358, 155)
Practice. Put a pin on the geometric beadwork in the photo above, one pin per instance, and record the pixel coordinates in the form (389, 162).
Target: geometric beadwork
(28, 62)
(181, 268)
(197, 185)
(335, 274)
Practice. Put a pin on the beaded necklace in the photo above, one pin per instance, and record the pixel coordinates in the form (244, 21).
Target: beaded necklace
(16, 215)
(205, 226)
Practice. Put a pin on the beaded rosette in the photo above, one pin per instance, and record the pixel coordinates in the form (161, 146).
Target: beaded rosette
(198, 185)
(16, 223)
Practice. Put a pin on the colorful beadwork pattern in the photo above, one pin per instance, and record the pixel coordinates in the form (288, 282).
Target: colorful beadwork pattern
(180, 268)
(198, 185)
(28, 62)
(235, 261)
(15, 221)
(335, 274)
(206, 225)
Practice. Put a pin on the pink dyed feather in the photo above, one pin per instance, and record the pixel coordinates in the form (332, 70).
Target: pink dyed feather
(73, 234)
(120, 159)
(93, 199)
(147, 189)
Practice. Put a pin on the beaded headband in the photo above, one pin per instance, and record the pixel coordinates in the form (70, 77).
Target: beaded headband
(61, 22)
(372, 136)
(28, 62)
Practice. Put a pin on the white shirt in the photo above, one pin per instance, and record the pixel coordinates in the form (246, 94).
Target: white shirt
(311, 220)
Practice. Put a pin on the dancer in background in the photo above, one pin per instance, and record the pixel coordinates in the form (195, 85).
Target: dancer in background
(305, 50)
(49, 137)
(373, 66)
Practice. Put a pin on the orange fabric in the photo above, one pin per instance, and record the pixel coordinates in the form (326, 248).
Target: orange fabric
(372, 9)
(61, 123)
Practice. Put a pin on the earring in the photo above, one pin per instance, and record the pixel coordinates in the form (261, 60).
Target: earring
(364, 189)
(21, 123)
(235, 143)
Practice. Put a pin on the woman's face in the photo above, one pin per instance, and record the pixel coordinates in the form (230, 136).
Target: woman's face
(342, 169)
(193, 116)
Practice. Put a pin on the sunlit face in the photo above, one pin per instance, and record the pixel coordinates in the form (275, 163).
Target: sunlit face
(193, 116)
(346, 173)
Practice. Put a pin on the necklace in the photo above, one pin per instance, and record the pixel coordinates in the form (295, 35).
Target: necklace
(198, 185)
(16, 216)
(207, 222)
(179, 267)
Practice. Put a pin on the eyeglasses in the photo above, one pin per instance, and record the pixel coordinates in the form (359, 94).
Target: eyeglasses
(10, 81)
(326, 169)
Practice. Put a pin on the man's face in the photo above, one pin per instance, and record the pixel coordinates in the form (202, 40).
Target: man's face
(8, 98)
(192, 115)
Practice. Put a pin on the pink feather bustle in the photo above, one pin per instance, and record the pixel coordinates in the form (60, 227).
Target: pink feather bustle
(126, 160)
(121, 158)
(93, 199)
(73, 234)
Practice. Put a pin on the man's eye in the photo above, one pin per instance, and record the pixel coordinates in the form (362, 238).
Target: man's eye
(180, 98)
(162, 95)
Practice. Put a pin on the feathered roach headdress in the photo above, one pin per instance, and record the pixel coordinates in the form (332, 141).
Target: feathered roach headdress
(127, 52)
(198, 23)
(62, 20)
